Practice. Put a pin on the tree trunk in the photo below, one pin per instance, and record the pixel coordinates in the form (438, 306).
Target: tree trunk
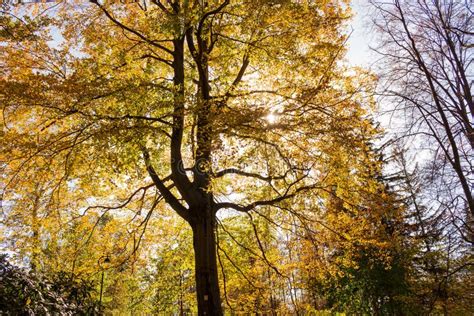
(207, 285)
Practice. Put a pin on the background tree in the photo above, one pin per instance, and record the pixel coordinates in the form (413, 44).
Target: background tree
(438, 261)
(426, 71)
(206, 106)
(427, 53)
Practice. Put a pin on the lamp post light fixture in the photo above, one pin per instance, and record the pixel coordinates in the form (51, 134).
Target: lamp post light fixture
(102, 260)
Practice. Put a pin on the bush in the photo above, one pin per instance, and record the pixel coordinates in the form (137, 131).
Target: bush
(24, 292)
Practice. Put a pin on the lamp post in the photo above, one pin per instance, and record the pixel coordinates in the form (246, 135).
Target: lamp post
(183, 275)
(102, 260)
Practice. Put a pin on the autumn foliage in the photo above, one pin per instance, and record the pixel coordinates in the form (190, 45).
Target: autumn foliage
(211, 157)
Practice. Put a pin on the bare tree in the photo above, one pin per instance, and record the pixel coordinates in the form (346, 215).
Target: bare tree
(427, 55)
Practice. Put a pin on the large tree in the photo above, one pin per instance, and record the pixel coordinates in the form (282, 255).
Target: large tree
(204, 106)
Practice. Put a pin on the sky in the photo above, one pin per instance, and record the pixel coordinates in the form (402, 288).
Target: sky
(359, 53)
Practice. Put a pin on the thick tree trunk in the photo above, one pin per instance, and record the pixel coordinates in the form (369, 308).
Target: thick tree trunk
(207, 285)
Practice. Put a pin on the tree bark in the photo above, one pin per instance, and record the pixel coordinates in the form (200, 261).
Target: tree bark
(204, 243)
